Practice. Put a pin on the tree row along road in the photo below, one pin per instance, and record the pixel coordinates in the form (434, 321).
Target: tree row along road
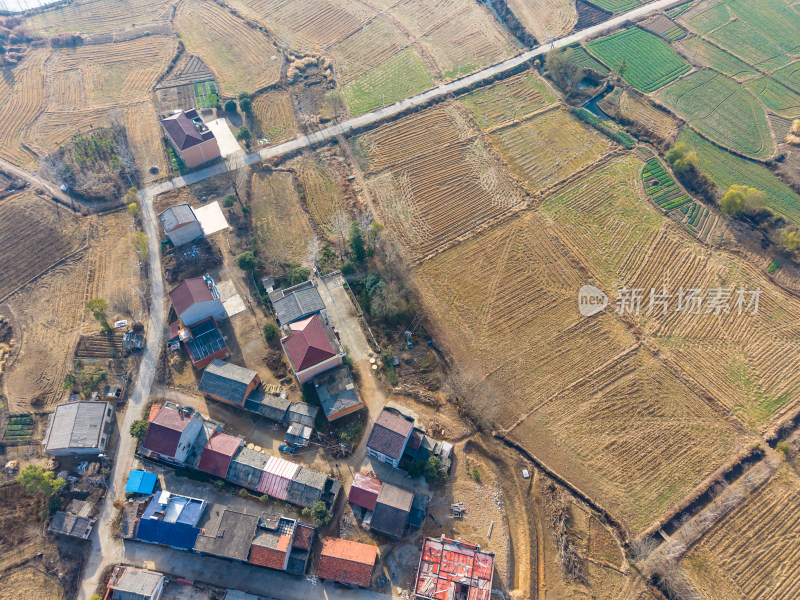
(377, 115)
(106, 550)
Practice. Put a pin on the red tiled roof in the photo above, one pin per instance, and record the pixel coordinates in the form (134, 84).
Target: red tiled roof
(308, 344)
(217, 455)
(303, 535)
(164, 432)
(268, 557)
(347, 562)
(154, 411)
(445, 563)
(189, 292)
(364, 491)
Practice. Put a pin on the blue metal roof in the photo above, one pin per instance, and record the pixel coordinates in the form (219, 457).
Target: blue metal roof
(141, 482)
(175, 535)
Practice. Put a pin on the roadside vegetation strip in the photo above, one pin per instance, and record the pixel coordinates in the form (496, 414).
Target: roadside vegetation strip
(749, 45)
(644, 60)
(402, 75)
(723, 110)
(711, 56)
(727, 169)
(509, 99)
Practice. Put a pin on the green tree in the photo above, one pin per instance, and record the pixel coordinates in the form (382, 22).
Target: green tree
(69, 382)
(680, 158)
(271, 331)
(320, 513)
(245, 102)
(248, 261)
(374, 234)
(140, 243)
(139, 429)
(566, 74)
(38, 482)
(622, 67)
(132, 195)
(356, 239)
(297, 274)
(133, 210)
(740, 198)
(98, 308)
(243, 134)
(790, 240)
(228, 201)
(230, 106)
(416, 469)
(433, 471)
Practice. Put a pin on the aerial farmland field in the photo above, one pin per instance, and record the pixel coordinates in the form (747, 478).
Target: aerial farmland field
(711, 56)
(723, 110)
(507, 100)
(647, 61)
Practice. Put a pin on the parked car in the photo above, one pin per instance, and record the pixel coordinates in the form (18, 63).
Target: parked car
(287, 449)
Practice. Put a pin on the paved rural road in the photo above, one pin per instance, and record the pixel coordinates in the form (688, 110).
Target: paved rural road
(35, 180)
(459, 85)
(107, 550)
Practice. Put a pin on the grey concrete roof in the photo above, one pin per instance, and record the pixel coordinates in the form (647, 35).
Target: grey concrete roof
(71, 525)
(231, 538)
(337, 392)
(76, 425)
(272, 407)
(294, 303)
(225, 380)
(300, 412)
(175, 216)
(135, 581)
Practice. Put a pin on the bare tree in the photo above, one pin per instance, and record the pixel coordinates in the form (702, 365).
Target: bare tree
(643, 547)
(238, 173)
(340, 225)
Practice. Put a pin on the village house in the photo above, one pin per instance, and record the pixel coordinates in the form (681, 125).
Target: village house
(337, 393)
(225, 382)
(227, 533)
(364, 491)
(395, 509)
(311, 347)
(453, 570)
(79, 428)
(171, 520)
(389, 436)
(246, 467)
(346, 562)
(203, 342)
(281, 543)
(171, 433)
(76, 521)
(297, 302)
(190, 138)
(131, 583)
(218, 453)
(180, 224)
(196, 299)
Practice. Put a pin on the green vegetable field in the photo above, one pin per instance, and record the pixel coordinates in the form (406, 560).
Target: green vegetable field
(775, 96)
(727, 169)
(748, 44)
(723, 110)
(647, 61)
(577, 55)
(616, 5)
(773, 19)
(402, 75)
(715, 58)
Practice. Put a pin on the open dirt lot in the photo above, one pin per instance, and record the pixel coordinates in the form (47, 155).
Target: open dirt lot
(48, 314)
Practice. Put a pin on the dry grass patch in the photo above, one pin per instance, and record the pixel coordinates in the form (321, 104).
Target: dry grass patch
(21, 97)
(274, 115)
(96, 16)
(545, 19)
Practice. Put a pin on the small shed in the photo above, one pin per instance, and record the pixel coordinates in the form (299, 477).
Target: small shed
(364, 491)
(218, 453)
(246, 468)
(181, 224)
(302, 413)
(298, 435)
(141, 482)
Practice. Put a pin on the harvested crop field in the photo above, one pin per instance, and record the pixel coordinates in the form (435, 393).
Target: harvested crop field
(727, 169)
(633, 434)
(723, 110)
(283, 228)
(323, 194)
(457, 33)
(35, 233)
(649, 62)
(549, 147)
(21, 97)
(274, 115)
(510, 99)
(664, 27)
(30, 582)
(96, 16)
(545, 19)
(441, 181)
(640, 111)
(516, 281)
(49, 314)
(751, 554)
(243, 59)
(373, 44)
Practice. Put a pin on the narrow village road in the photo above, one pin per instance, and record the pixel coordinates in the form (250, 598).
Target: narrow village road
(36, 181)
(107, 550)
(370, 118)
